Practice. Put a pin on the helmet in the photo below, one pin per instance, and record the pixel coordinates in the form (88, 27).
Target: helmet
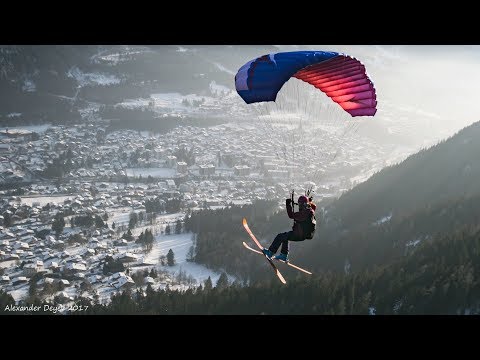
(302, 200)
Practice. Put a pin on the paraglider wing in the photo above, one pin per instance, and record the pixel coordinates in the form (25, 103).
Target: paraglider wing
(341, 77)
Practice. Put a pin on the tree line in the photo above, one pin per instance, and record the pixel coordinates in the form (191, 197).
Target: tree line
(441, 276)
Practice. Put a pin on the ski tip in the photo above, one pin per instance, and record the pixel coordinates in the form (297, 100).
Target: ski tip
(244, 221)
(282, 279)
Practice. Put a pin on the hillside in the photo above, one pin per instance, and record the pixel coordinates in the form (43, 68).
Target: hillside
(432, 193)
(447, 170)
(39, 81)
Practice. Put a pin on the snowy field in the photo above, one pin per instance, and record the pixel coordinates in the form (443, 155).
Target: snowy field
(121, 216)
(153, 172)
(44, 200)
(35, 128)
(171, 101)
(180, 245)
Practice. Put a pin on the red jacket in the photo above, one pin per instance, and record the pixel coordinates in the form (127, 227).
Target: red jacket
(300, 216)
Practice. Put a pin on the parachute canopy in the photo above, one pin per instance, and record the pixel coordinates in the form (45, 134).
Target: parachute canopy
(341, 77)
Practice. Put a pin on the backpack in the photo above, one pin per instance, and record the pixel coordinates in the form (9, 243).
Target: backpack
(309, 227)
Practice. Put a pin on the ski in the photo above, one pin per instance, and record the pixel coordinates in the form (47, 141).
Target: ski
(288, 263)
(277, 272)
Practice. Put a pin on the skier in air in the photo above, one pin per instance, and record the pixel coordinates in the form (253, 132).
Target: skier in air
(303, 227)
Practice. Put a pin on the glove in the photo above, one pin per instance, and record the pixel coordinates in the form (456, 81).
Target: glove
(289, 202)
(310, 199)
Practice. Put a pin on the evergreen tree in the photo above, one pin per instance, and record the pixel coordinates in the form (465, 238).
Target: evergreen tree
(5, 299)
(32, 289)
(99, 222)
(149, 292)
(76, 239)
(149, 239)
(131, 223)
(170, 258)
(222, 281)
(208, 284)
(173, 205)
(146, 239)
(128, 235)
(178, 227)
(112, 266)
(191, 254)
(58, 223)
(7, 219)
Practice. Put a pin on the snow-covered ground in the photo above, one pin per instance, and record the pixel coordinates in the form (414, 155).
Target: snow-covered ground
(120, 216)
(114, 58)
(35, 128)
(171, 101)
(84, 79)
(153, 172)
(383, 219)
(218, 89)
(20, 292)
(29, 85)
(44, 200)
(180, 245)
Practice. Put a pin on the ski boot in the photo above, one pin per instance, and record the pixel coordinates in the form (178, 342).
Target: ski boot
(267, 253)
(281, 257)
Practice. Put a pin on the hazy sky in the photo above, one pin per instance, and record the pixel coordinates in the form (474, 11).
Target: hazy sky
(434, 87)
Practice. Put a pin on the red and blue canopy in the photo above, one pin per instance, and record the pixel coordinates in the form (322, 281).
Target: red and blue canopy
(341, 77)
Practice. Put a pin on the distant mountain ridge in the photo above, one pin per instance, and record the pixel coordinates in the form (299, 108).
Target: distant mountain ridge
(36, 80)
